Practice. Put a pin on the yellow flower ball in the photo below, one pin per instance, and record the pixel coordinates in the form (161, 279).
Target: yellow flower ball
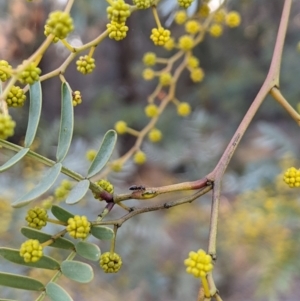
(155, 135)
(148, 74)
(219, 16)
(183, 109)
(199, 263)
(116, 166)
(151, 110)
(197, 75)
(216, 30)
(31, 250)
(165, 79)
(121, 127)
(192, 26)
(186, 43)
(292, 177)
(193, 62)
(139, 157)
(78, 226)
(180, 17)
(170, 44)
(160, 36)
(110, 262)
(233, 19)
(149, 59)
(106, 185)
(91, 154)
(204, 10)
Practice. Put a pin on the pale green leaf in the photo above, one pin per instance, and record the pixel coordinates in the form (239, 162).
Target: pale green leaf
(66, 122)
(104, 153)
(78, 192)
(15, 159)
(102, 232)
(20, 282)
(46, 182)
(35, 108)
(57, 293)
(45, 262)
(77, 271)
(60, 243)
(61, 214)
(88, 250)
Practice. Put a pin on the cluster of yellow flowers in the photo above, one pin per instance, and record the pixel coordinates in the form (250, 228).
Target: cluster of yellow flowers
(195, 29)
(198, 263)
(292, 177)
(118, 13)
(63, 190)
(78, 226)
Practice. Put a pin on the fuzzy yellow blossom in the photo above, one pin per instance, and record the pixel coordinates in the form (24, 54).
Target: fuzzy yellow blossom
(292, 177)
(91, 154)
(219, 16)
(204, 10)
(192, 26)
(149, 58)
(155, 135)
(180, 17)
(183, 109)
(216, 30)
(78, 226)
(197, 75)
(116, 166)
(160, 36)
(186, 42)
(121, 127)
(148, 74)
(193, 62)
(139, 157)
(31, 250)
(151, 110)
(233, 19)
(185, 3)
(199, 263)
(165, 79)
(170, 44)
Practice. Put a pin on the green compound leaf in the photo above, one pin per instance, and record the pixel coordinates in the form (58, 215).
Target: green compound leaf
(15, 159)
(102, 232)
(106, 148)
(46, 182)
(60, 243)
(57, 293)
(66, 122)
(20, 282)
(88, 250)
(78, 192)
(35, 108)
(45, 262)
(61, 214)
(77, 271)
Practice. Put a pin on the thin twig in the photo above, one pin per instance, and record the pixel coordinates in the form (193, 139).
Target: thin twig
(167, 205)
(275, 92)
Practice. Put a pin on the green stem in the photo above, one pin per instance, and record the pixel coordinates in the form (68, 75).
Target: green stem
(113, 243)
(55, 221)
(37, 157)
(72, 174)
